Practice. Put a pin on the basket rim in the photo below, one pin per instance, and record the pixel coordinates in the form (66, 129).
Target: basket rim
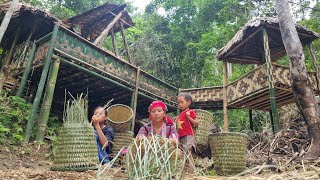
(203, 111)
(129, 119)
(228, 133)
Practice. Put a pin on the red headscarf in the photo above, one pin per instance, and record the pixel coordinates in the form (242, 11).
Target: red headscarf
(155, 104)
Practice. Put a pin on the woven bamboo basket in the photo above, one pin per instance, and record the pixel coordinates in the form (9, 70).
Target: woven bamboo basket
(229, 152)
(76, 149)
(202, 131)
(121, 140)
(119, 117)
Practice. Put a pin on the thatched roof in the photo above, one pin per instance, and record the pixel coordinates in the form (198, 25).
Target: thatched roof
(246, 47)
(95, 20)
(25, 18)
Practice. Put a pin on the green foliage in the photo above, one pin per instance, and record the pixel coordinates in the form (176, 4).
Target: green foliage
(14, 112)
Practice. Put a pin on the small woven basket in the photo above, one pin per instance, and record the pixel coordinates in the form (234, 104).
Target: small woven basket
(119, 117)
(76, 149)
(228, 152)
(121, 140)
(202, 131)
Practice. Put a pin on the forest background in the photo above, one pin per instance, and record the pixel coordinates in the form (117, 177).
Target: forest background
(177, 40)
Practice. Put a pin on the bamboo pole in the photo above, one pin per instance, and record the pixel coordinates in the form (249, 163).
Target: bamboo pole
(27, 44)
(26, 71)
(105, 32)
(41, 85)
(125, 42)
(135, 99)
(274, 111)
(178, 110)
(225, 100)
(13, 46)
(6, 20)
(315, 64)
(47, 101)
(114, 43)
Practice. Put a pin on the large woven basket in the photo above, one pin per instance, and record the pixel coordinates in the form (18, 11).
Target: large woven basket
(121, 140)
(76, 149)
(228, 152)
(119, 117)
(202, 131)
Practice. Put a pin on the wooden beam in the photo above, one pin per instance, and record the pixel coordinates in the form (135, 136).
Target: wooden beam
(125, 42)
(105, 32)
(122, 20)
(26, 71)
(114, 43)
(225, 100)
(135, 99)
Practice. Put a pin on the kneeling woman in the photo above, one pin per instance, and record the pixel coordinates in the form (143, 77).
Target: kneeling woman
(159, 123)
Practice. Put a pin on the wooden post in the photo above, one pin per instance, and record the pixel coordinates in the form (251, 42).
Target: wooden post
(178, 110)
(105, 32)
(274, 111)
(135, 99)
(251, 119)
(41, 85)
(7, 18)
(125, 42)
(3, 71)
(47, 101)
(26, 71)
(27, 43)
(225, 100)
(13, 46)
(315, 64)
(114, 43)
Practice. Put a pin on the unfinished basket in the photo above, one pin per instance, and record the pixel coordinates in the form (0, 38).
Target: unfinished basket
(202, 131)
(119, 117)
(228, 152)
(76, 149)
(121, 140)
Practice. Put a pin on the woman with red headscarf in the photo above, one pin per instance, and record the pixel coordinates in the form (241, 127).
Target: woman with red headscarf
(160, 124)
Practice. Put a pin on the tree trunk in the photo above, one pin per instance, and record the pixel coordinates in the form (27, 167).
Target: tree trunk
(304, 95)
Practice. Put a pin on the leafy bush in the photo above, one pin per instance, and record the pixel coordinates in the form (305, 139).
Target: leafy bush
(14, 113)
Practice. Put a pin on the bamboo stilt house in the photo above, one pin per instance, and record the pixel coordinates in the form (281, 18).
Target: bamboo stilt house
(82, 66)
(266, 87)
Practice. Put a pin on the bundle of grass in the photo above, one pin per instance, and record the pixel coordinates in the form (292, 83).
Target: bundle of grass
(76, 149)
(154, 158)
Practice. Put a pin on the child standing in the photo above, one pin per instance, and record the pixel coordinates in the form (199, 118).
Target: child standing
(104, 134)
(186, 120)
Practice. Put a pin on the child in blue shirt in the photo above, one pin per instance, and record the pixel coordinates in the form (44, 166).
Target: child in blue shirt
(104, 134)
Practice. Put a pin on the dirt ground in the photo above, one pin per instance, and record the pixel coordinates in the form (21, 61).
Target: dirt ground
(33, 162)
